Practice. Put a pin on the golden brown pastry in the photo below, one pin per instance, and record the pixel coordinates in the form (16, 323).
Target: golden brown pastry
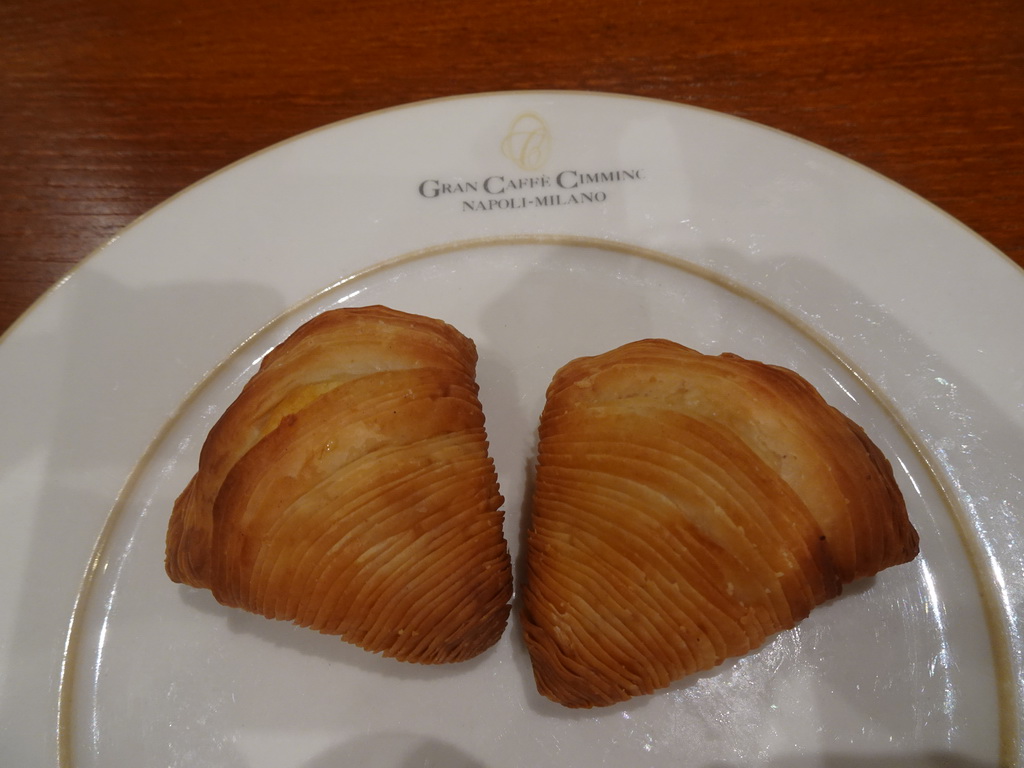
(349, 489)
(687, 507)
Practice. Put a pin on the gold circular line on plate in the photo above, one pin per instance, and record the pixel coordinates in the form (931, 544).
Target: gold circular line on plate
(1009, 722)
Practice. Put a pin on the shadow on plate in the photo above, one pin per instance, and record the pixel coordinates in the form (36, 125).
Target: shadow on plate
(331, 648)
(394, 750)
(926, 760)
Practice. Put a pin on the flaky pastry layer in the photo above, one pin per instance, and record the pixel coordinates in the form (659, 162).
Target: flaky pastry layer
(686, 508)
(349, 489)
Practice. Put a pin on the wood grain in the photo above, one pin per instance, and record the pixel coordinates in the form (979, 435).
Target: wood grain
(108, 107)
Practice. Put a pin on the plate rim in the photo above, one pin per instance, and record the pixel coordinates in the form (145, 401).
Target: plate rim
(139, 220)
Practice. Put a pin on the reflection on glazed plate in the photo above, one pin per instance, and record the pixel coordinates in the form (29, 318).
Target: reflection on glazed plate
(545, 226)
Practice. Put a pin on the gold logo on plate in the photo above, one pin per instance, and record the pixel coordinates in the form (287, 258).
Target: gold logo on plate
(527, 142)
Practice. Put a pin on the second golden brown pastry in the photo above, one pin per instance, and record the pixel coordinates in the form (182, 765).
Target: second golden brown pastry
(349, 489)
(687, 507)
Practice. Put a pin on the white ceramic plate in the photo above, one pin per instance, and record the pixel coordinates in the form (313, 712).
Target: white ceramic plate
(545, 226)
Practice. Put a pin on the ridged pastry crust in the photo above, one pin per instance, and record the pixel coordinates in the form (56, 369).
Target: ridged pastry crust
(686, 507)
(349, 489)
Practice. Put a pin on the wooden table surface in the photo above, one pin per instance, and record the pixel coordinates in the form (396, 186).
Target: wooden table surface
(108, 107)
